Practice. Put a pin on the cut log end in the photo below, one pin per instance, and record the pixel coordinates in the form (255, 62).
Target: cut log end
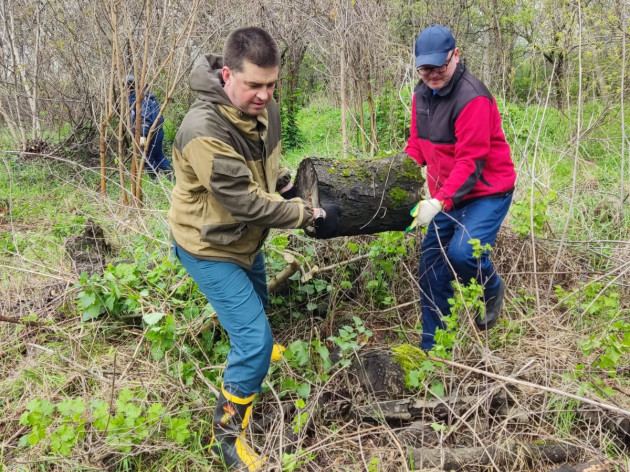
(307, 183)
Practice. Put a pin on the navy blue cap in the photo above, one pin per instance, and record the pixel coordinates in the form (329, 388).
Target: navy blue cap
(130, 80)
(433, 45)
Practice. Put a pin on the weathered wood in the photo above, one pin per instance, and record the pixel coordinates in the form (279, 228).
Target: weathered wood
(592, 466)
(619, 426)
(376, 195)
(409, 409)
(379, 375)
(293, 265)
(504, 456)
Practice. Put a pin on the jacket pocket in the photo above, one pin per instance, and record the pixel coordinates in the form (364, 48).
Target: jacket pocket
(223, 234)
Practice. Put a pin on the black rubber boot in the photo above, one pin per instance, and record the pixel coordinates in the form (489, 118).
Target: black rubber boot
(493, 310)
(228, 439)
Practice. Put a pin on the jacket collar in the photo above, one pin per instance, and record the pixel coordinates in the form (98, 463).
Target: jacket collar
(252, 127)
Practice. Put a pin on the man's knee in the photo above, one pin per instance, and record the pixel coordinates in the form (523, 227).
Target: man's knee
(461, 257)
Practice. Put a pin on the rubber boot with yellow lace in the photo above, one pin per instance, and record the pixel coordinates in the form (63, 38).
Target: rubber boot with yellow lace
(231, 416)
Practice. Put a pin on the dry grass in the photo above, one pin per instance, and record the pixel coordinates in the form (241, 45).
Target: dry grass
(536, 344)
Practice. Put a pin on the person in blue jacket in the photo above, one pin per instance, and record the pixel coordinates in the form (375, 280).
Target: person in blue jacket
(156, 161)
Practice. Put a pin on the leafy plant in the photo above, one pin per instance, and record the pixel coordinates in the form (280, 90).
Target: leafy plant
(531, 215)
(614, 341)
(133, 287)
(467, 300)
(162, 336)
(312, 361)
(131, 424)
(39, 416)
(293, 462)
(300, 419)
(593, 298)
(385, 253)
(350, 339)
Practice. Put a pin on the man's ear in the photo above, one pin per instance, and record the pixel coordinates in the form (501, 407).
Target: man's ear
(226, 73)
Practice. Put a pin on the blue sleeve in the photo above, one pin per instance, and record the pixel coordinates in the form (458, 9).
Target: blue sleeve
(150, 112)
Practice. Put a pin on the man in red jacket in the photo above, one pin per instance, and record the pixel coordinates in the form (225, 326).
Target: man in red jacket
(456, 132)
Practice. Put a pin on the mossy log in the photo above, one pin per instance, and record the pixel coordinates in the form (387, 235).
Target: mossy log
(376, 195)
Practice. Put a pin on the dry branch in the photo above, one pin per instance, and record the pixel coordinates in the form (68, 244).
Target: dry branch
(510, 380)
(293, 265)
(96, 375)
(9, 319)
(318, 270)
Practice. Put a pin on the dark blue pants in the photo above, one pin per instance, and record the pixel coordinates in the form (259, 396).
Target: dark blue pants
(156, 160)
(239, 297)
(446, 253)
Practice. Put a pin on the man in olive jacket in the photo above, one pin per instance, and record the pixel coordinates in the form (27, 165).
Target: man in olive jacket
(226, 157)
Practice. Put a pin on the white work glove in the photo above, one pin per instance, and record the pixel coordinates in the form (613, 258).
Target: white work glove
(143, 141)
(424, 212)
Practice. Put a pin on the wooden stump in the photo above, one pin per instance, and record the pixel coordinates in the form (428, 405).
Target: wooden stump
(375, 194)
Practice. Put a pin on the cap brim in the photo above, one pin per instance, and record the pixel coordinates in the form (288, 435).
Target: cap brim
(434, 59)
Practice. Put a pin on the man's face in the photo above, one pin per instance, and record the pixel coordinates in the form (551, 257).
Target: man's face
(438, 77)
(251, 89)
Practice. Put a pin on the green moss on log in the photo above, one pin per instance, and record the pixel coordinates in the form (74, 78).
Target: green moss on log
(410, 358)
(397, 197)
(411, 170)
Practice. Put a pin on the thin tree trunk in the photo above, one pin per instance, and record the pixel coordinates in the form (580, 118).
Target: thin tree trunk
(344, 104)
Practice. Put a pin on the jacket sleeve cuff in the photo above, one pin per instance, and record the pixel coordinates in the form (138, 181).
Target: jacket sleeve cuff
(447, 202)
(284, 178)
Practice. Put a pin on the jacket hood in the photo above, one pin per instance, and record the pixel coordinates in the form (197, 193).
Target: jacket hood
(207, 81)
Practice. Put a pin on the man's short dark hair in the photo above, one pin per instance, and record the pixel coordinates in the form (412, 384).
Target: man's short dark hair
(252, 44)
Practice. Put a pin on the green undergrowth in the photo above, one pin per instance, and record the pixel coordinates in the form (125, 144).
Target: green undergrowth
(122, 366)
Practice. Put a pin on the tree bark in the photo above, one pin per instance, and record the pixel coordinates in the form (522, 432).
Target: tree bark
(506, 455)
(375, 195)
(592, 466)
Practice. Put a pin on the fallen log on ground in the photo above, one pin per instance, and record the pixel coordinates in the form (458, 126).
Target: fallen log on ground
(619, 426)
(502, 457)
(376, 195)
(592, 466)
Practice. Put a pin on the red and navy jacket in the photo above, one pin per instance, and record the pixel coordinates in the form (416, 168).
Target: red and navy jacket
(457, 134)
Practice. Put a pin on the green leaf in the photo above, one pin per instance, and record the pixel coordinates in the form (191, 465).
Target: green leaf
(92, 312)
(71, 408)
(86, 299)
(100, 413)
(304, 390)
(155, 412)
(152, 318)
(36, 437)
(437, 388)
(178, 429)
(297, 353)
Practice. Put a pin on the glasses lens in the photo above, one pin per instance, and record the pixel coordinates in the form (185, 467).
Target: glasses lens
(439, 69)
(427, 70)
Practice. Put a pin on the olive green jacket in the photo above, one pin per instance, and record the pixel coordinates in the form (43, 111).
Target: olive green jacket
(227, 169)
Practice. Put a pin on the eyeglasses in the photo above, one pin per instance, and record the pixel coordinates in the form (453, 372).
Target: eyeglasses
(425, 71)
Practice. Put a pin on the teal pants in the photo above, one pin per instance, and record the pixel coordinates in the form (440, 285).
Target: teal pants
(239, 296)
